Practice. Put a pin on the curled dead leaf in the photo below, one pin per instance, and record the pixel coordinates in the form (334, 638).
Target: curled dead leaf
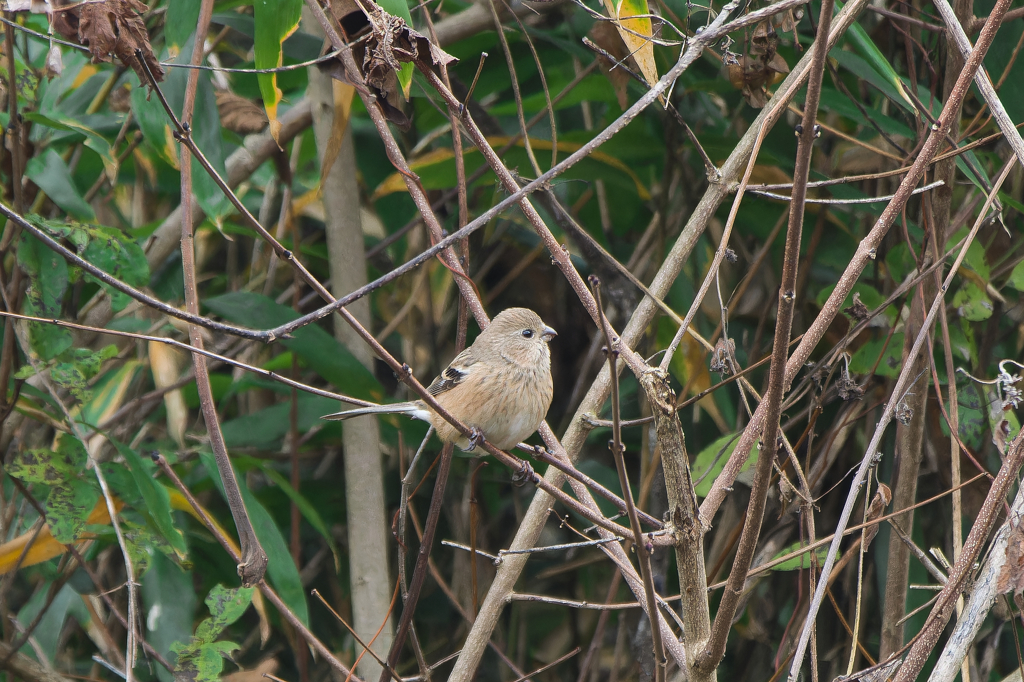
(881, 500)
(606, 36)
(858, 310)
(110, 27)
(720, 357)
(239, 114)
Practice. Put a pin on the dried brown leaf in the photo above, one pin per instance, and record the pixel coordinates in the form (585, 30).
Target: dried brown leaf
(239, 114)
(881, 500)
(606, 36)
(858, 310)
(721, 355)
(764, 40)
(110, 27)
(999, 436)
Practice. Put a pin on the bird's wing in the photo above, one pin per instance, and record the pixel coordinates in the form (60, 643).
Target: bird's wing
(454, 374)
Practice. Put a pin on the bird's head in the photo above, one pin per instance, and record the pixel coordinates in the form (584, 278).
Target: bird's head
(522, 335)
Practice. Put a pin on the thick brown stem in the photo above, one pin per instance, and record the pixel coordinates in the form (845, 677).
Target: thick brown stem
(253, 562)
(686, 525)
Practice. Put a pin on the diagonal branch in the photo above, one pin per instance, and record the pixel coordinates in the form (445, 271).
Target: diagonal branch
(772, 401)
(865, 253)
(903, 383)
(253, 561)
(981, 79)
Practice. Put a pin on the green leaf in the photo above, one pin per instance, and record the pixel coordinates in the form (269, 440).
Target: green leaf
(201, 659)
(158, 503)
(1017, 277)
(801, 562)
(972, 303)
(109, 249)
(900, 262)
(50, 467)
(48, 273)
(93, 140)
(961, 338)
(265, 428)
(318, 349)
(52, 176)
(153, 121)
(283, 573)
(180, 23)
(891, 83)
(972, 413)
(275, 21)
(866, 356)
(711, 461)
(73, 489)
(47, 634)
(77, 366)
(170, 600)
(68, 506)
(869, 296)
(48, 282)
(306, 508)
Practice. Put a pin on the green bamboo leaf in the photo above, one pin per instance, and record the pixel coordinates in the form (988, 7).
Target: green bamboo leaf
(53, 177)
(282, 571)
(275, 21)
(158, 502)
(180, 24)
(305, 507)
(867, 48)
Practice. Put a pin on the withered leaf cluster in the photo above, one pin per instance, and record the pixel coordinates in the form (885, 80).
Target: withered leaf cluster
(721, 356)
(751, 73)
(858, 310)
(110, 27)
(391, 43)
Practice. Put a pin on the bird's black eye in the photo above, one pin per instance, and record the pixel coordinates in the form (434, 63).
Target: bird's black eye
(528, 333)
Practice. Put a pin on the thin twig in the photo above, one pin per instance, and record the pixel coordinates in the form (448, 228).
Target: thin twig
(642, 550)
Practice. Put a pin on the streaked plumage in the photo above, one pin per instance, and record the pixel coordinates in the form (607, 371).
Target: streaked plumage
(501, 385)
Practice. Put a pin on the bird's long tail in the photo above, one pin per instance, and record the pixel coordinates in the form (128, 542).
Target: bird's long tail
(409, 408)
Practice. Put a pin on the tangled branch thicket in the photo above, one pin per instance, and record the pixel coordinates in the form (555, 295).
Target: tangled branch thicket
(782, 247)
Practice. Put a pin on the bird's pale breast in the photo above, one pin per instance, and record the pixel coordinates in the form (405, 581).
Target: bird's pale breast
(505, 405)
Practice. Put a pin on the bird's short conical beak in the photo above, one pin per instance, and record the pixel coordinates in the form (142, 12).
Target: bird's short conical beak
(548, 333)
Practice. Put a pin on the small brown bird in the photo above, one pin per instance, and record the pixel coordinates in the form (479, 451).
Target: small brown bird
(500, 386)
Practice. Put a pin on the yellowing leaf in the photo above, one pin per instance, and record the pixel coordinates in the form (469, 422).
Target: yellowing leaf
(634, 24)
(343, 94)
(275, 20)
(45, 546)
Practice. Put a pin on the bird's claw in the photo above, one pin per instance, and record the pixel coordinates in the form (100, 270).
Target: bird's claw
(476, 438)
(524, 475)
